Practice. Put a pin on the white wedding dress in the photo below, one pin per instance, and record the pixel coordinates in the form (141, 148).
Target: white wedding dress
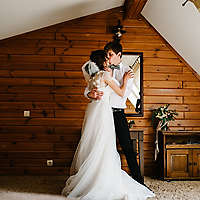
(96, 172)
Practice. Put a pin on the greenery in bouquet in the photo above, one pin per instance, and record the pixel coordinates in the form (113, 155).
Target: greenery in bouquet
(162, 116)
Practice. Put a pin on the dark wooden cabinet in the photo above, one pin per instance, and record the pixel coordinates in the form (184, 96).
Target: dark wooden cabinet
(179, 163)
(196, 164)
(181, 154)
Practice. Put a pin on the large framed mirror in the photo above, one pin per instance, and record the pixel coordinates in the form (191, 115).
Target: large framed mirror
(135, 99)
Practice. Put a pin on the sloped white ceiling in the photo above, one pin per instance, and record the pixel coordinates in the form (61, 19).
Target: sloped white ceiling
(179, 25)
(20, 16)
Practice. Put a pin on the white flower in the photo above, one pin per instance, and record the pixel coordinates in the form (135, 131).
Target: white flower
(161, 116)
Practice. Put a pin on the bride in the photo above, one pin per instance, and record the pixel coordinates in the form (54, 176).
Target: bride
(96, 172)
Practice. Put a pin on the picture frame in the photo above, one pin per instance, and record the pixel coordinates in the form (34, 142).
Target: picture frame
(135, 99)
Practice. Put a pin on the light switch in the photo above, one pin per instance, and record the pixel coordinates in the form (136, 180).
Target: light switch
(27, 113)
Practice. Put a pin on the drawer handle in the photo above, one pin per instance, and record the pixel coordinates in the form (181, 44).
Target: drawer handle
(190, 163)
(194, 163)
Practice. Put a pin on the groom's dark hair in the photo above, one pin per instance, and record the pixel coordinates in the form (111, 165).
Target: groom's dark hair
(98, 57)
(114, 45)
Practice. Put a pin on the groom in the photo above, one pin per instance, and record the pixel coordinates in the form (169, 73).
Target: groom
(114, 54)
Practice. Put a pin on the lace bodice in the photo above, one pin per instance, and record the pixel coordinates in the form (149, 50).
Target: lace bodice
(98, 82)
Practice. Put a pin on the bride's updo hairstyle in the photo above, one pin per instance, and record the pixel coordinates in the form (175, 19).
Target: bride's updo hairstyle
(96, 62)
(98, 57)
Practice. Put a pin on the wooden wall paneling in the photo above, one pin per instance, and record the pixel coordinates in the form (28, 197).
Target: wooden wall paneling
(82, 36)
(26, 51)
(137, 22)
(172, 92)
(182, 107)
(162, 61)
(192, 115)
(67, 66)
(71, 98)
(25, 81)
(71, 82)
(43, 90)
(19, 113)
(41, 121)
(40, 74)
(27, 66)
(163, 69)
(47, 58)
(162, 84)
(145, 46)
(4, 59)
(159, 54)
(170, 77)
(40, 71)
(188, 84)
(185, 122)
(192, 100)
(37, 35)
(43, 105)
(160, 99)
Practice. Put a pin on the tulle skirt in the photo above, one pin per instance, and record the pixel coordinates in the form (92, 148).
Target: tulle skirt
(96, 172)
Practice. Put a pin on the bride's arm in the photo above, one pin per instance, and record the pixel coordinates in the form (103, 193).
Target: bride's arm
(119, 90)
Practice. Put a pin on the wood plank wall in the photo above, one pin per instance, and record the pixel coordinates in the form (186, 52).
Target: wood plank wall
(40, 71)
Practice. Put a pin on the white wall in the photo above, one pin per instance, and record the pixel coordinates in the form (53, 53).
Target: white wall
(179, 25)
(20, 16)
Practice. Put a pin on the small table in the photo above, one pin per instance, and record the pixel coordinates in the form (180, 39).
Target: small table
(137, 139)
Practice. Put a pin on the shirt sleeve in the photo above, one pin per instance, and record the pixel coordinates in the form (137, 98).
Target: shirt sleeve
(128, 87)
(131, 90)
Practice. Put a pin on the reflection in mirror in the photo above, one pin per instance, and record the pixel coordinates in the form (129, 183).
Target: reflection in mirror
(135, 99)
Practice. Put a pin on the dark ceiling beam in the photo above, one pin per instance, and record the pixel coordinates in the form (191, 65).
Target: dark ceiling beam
(133, 8)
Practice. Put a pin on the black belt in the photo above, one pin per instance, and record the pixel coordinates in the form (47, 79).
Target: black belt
(117, 110)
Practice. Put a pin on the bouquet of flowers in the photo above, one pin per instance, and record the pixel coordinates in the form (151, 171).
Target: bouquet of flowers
(161, 117)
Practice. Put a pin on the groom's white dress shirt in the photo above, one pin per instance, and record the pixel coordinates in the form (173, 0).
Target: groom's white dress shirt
(115, 100)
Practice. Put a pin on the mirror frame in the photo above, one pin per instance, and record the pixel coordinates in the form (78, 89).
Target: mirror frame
(141, 108)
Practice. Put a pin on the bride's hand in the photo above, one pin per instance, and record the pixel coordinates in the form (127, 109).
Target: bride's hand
(128, 75)
(95, 94)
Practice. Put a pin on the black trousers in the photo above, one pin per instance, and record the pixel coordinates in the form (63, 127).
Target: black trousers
(123, 135)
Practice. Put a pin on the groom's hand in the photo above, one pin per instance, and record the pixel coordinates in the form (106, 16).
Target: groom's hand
(95, 94)
(131, 74)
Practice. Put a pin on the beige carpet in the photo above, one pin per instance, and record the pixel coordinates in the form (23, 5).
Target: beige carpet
(49, 188)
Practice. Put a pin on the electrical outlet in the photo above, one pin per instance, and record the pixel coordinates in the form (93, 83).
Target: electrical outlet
(49, 163)
(27, 113)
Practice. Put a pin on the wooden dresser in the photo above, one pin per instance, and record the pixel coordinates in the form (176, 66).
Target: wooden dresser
(181, 154)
